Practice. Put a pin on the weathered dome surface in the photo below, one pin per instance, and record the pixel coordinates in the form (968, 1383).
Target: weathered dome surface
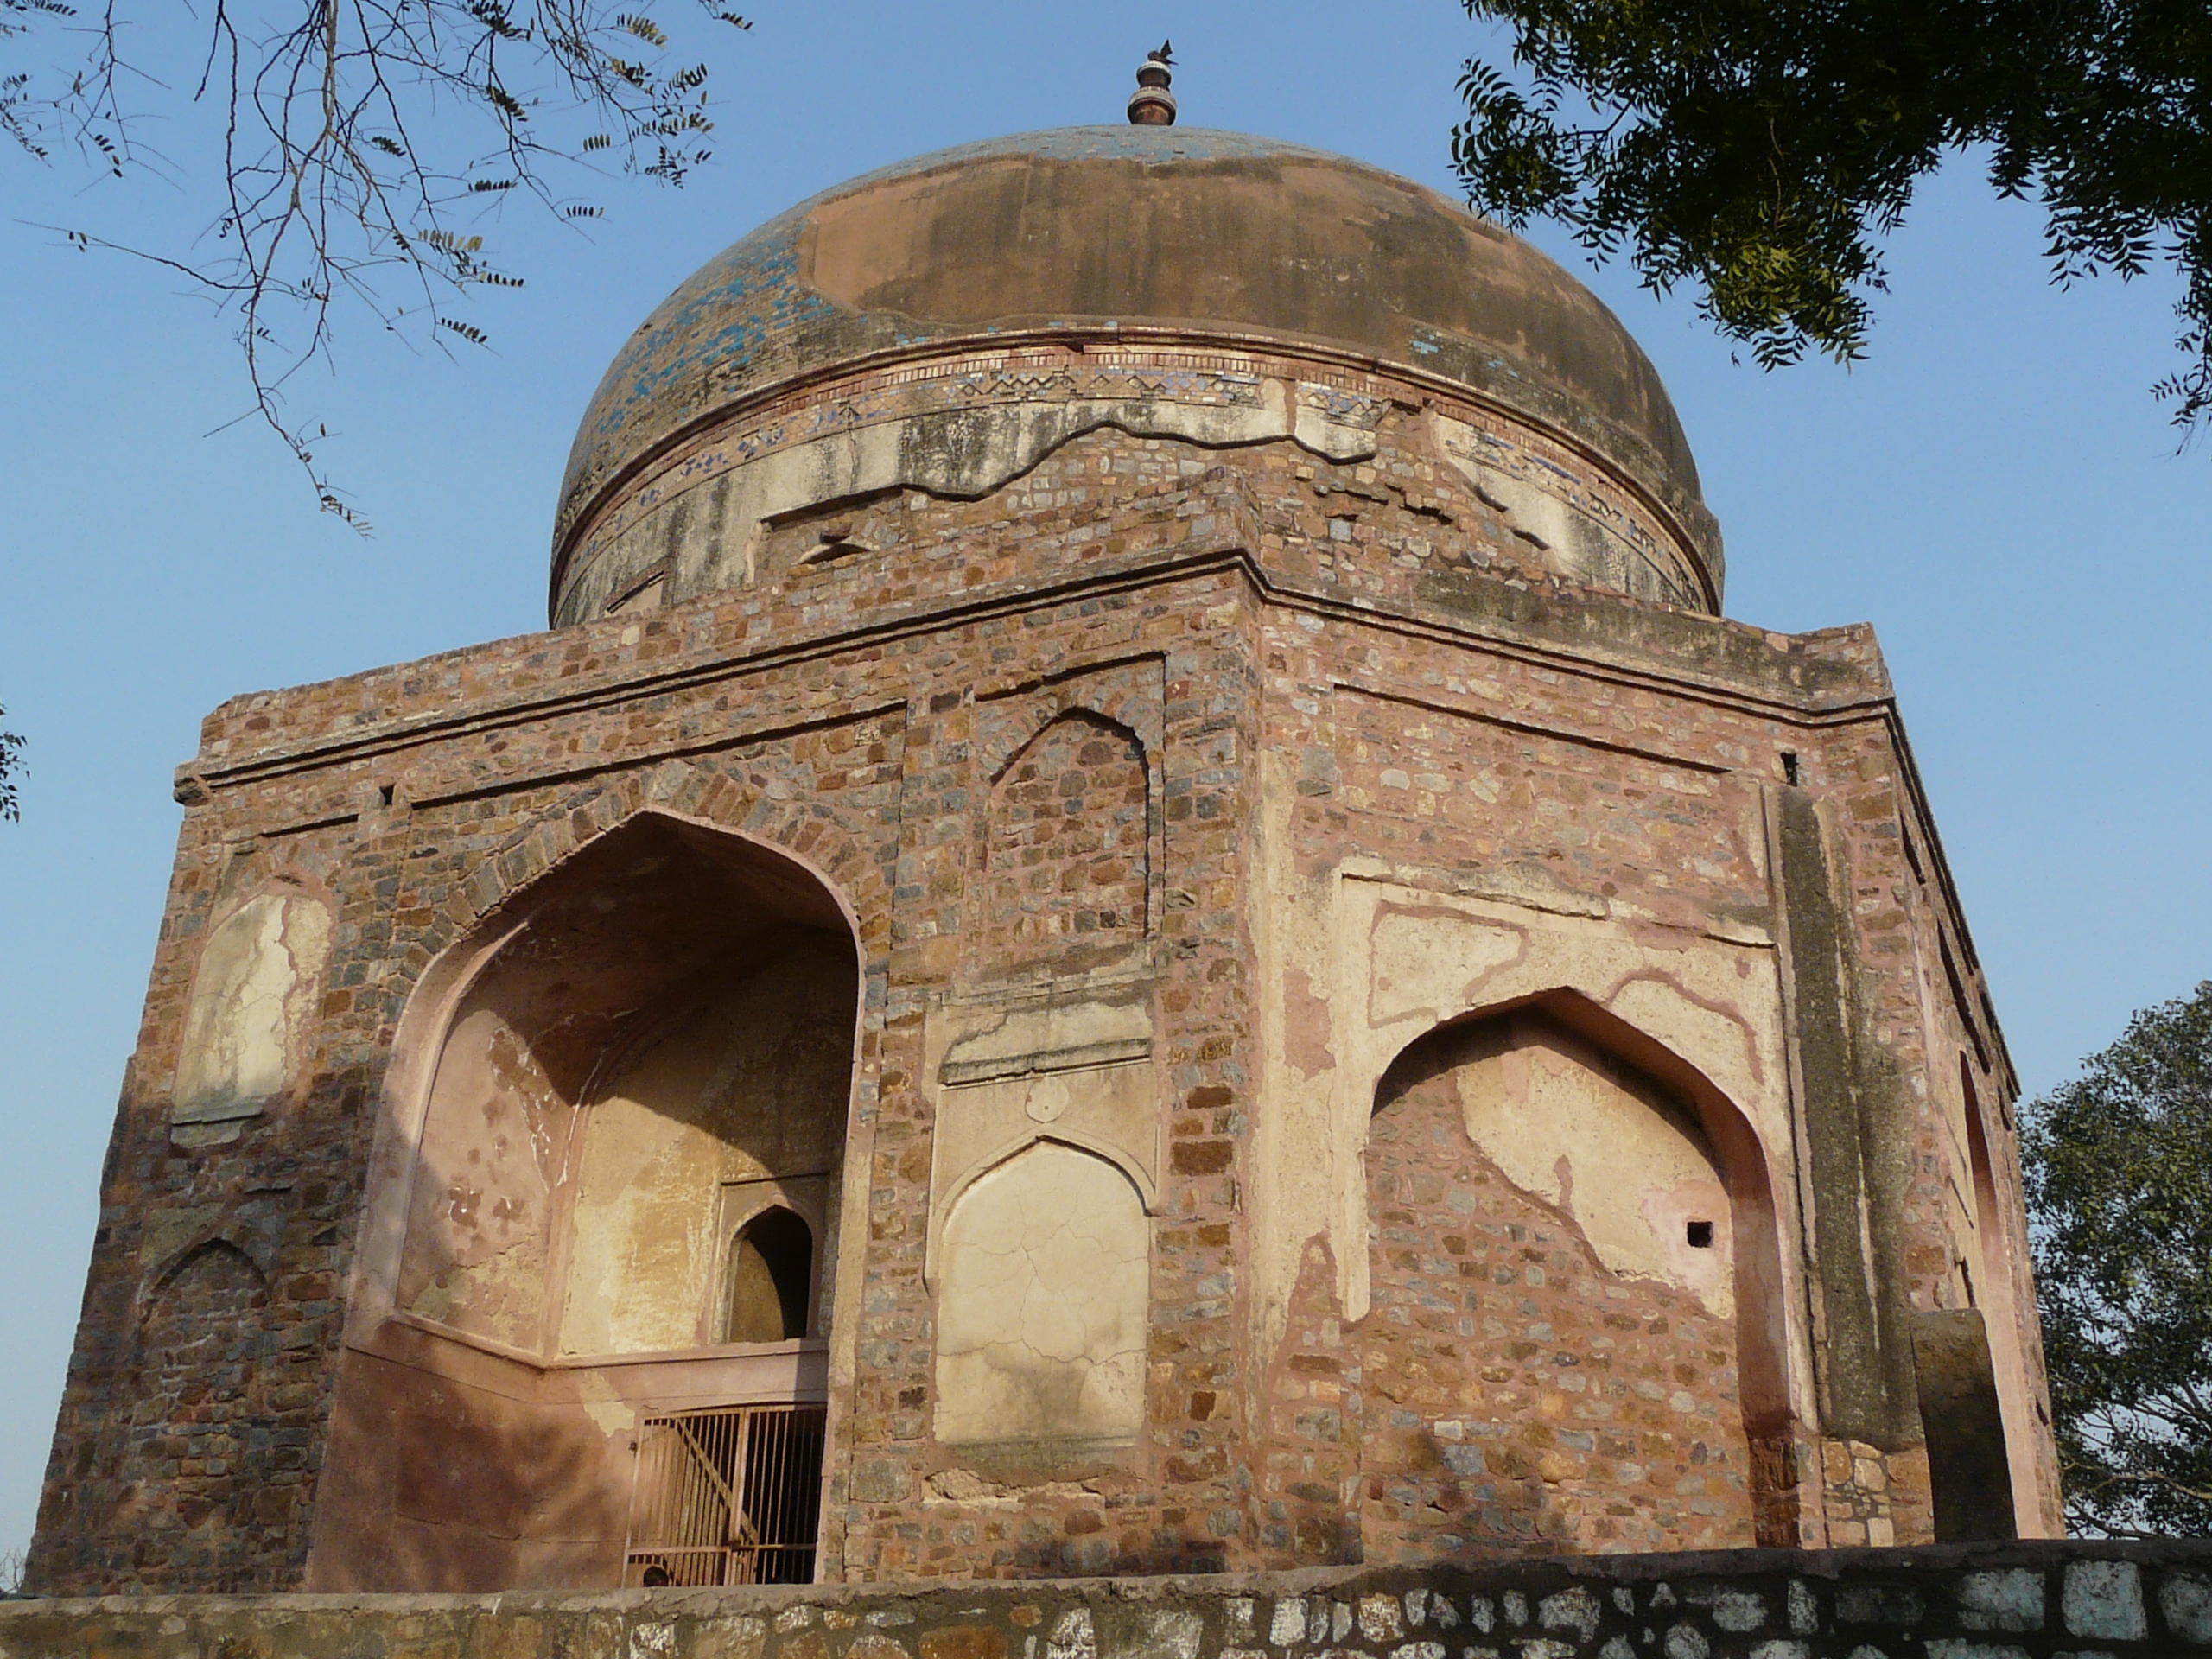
(1090, 229)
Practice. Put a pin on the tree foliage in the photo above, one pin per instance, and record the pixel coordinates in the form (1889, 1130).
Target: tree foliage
(354, 144)
(1762, 149)
(2120, 1200)
(11, 768)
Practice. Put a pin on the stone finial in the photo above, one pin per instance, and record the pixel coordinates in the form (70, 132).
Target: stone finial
(1152, 105)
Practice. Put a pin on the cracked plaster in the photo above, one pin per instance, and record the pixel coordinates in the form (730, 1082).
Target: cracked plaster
(253, 996)
(1041, 1319)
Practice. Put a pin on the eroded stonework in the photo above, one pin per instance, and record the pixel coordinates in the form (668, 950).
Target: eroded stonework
(1083, 955)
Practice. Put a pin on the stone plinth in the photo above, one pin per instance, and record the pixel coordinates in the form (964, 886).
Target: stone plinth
(2044, 1600)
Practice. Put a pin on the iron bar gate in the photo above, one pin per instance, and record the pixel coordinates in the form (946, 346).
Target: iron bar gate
(726, 1496)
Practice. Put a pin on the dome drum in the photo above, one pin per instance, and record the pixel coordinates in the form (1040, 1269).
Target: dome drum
(962, 425)
(943, 325)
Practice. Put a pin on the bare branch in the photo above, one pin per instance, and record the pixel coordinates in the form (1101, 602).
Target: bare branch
(359, 140)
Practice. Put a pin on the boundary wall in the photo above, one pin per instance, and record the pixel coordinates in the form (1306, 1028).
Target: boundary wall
(2038, 1600)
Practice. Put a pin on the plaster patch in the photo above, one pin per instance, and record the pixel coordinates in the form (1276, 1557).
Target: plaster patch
(1046, 1099)
(1051, 1039)
(1718, 1042)
(604, 1405)
(1041, 1315)
(1306, 1025)
(1631, 1173)
(1579, 530)
(1430, 962)
(490, 1141)
(642, 1247)
(252, 997)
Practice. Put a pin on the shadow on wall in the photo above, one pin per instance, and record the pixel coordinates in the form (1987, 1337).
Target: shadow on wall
(643, 1058)
(199, 1471)
(197, 1434)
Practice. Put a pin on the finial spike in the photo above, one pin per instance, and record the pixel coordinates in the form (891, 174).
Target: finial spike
(1152, 105)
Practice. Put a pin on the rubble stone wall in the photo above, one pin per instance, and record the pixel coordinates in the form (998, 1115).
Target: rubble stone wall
(1320, 771)
(2025, 1601)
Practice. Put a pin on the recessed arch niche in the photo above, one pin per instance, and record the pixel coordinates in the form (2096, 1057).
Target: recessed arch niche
(600, 1084)
(202, 1378)
(768, 1278)
(1067, 852)
(1574, 1342)
(1044, 1278)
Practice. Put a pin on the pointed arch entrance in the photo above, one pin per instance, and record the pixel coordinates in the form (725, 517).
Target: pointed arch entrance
(1574, 1338)
(605, 1217)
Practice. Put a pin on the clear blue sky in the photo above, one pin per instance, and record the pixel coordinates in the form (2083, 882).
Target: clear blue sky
(1995, 491)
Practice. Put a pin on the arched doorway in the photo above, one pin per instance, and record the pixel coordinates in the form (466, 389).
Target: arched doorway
(1965, 1464)
(1572, 1345)
(613, 1219)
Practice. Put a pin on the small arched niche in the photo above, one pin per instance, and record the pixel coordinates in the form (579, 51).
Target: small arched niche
(1572, 1345)
(202, 1379)
(1067, 859)
(768, 1282)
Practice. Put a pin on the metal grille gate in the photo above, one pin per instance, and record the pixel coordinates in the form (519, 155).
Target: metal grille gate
(728, 1496)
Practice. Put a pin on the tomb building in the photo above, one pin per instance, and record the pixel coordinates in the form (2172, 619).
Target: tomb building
(1138, 915)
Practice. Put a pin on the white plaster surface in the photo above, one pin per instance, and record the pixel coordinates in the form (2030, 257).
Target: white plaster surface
(750, 1086)
(494, 1139)
(1427, 962)
(961, 455)
(1632, 1174)
(1041, 1314)
(1052, 1037)
(1113, 1110)
(253, 998)
(1577, 530)
(1043, 1072)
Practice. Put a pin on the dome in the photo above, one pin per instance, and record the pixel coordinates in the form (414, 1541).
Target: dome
(1129, 231)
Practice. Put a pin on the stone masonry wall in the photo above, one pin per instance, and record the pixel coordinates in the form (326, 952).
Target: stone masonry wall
(1454, 716)
(2047, 1601)
(1518, 1392)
